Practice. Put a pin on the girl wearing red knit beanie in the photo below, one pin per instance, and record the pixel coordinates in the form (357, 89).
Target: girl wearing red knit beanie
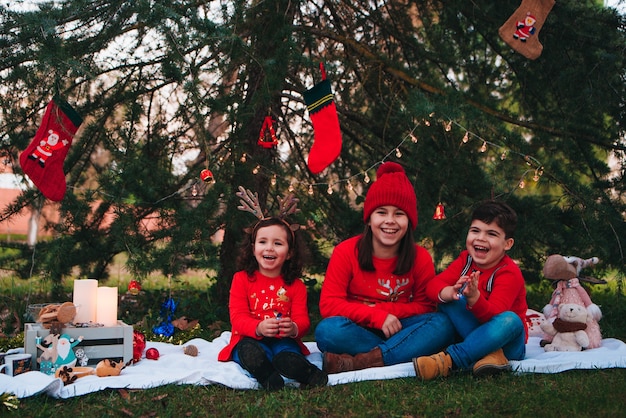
(373, 300)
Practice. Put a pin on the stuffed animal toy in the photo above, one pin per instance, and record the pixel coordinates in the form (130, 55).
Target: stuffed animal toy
(568, 290)
(568, 329)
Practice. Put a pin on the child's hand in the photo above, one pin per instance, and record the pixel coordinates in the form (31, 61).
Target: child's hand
(391, 325)
(471, 292)
(268, 328)
(287, 328)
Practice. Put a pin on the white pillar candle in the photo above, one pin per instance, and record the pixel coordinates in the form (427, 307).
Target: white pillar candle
(107, 306)
(85, 300)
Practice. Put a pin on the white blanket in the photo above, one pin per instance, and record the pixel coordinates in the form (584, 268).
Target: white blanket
(175, 367)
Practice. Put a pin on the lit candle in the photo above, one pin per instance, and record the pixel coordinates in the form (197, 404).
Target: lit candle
(107, 306)
(85, 300)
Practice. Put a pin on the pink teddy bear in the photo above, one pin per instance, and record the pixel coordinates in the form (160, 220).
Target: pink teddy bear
(564, 271)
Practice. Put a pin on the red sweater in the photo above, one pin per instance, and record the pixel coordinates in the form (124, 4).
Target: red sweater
(502, 287)
(368, 297)
(252, 301)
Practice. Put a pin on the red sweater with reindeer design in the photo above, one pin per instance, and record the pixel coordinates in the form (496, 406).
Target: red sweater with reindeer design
(254, 299)
(368, 297)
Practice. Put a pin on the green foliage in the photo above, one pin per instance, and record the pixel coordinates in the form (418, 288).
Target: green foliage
(170, 88)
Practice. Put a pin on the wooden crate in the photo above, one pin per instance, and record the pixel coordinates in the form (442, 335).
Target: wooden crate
(98, 342)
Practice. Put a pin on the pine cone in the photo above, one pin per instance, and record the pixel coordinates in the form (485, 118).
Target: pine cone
(191, 350)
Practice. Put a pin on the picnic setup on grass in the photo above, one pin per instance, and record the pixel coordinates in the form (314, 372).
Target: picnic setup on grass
(79, 347)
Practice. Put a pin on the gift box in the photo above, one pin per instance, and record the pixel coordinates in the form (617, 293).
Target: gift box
(98, 343)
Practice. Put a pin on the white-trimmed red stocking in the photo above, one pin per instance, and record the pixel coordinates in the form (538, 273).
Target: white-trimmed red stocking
(43, 160)
(327, 134)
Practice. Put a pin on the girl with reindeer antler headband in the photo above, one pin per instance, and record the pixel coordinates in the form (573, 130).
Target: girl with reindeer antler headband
(268, 301)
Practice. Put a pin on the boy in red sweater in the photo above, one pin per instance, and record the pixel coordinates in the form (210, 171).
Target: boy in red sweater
(484, 295)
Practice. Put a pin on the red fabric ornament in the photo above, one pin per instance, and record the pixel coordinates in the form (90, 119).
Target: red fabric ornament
(327, 137)
(207, 176)
(134, 287)
(152, 354)
(439, 212)
(42, 161)
(139, 344)
(267, 136)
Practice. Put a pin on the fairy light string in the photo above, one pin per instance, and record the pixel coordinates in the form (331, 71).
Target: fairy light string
(535, 165)
(328, 187)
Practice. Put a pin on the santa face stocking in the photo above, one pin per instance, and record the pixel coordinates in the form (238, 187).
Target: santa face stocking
(43, 160)
(521, 31)
(327, 135)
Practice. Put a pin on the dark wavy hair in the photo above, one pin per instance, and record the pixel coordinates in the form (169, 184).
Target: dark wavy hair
(292, 268)
(503, 214)
(406, 252)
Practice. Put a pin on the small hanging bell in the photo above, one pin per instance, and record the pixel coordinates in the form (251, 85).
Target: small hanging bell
(439, 212)
(207, 176)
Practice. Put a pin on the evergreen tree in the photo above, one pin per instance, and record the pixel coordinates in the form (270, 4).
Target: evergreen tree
(170, 88)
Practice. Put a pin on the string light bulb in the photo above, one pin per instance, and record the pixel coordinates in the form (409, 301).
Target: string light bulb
(273, 180)
(398, 153)
(244, 157)
(483, 148)
(310, 190)
(256, 170)
(330, 189)
(413, 138)
(465, 137)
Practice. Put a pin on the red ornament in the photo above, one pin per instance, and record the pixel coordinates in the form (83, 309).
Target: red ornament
(207, 176)
(139, 344)
(134, 287)
(152, 354)
(267, 136)
(439, 212)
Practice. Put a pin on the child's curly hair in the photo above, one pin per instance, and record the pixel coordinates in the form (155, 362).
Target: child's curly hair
(291, 269)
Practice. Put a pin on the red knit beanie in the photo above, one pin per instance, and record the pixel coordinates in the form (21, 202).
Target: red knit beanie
(392, 187)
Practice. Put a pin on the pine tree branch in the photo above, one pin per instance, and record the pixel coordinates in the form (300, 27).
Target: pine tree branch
(368, 54)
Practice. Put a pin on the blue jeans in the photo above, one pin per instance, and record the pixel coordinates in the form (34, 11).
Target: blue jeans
(505, 330)
(273, 346)
(421, 335)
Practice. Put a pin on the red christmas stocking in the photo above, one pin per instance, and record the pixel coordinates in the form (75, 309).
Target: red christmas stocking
(521, 31)
(43, 160)
(327, 135)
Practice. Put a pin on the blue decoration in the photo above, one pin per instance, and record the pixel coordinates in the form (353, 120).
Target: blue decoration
(166, 328)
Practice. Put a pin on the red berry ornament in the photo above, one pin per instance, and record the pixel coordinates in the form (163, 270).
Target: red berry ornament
(152, 354)
(134, 287)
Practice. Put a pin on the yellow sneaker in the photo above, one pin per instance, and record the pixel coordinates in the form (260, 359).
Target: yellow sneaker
(430, 367)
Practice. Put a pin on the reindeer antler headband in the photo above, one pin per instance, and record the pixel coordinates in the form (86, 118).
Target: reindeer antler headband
(250, 203)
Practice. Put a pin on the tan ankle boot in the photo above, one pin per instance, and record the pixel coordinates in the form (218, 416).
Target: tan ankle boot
(430, 367)
(338, 363)
(492, 363)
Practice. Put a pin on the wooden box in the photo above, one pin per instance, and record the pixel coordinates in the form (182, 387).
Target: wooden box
(98, 342)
